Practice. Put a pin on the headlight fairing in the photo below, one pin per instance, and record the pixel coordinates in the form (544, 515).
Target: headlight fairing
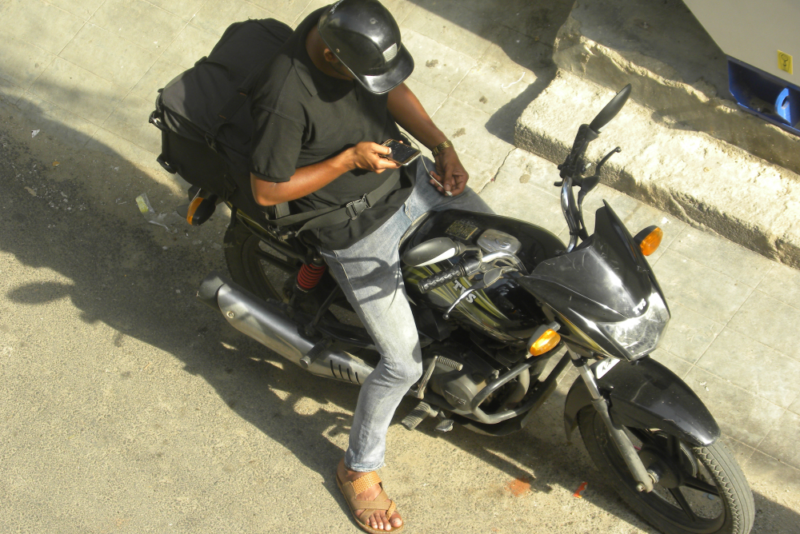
(640, 335)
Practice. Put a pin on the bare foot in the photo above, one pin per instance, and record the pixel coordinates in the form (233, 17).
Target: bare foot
(378, 518)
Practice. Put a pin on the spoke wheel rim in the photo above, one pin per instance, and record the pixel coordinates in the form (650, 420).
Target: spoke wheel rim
(681, 512)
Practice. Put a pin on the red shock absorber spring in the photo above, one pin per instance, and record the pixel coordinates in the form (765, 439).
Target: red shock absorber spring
(309, 276)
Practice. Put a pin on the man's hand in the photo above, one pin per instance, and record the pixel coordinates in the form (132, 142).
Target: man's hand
(450, 172)
(368, 156)
(407, 111)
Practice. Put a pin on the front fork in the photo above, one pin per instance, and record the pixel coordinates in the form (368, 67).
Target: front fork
(618, 435)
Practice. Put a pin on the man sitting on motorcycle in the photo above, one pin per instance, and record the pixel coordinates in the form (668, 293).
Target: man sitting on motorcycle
(321, 109)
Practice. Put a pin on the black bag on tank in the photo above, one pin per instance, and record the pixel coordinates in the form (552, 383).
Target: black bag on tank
(204, 113)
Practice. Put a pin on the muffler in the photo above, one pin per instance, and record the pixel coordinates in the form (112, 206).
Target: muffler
(265, 321)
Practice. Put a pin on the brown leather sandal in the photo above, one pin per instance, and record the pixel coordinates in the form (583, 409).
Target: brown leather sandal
(381, 502)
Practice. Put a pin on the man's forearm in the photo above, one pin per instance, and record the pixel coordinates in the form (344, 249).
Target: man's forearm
(408, 112)
(303, 182)
(366, 155)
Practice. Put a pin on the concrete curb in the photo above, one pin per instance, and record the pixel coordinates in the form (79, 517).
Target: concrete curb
(691, 175)
(675, 68)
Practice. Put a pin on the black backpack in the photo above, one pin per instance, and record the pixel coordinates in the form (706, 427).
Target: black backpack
(204, 115)
(206, 127)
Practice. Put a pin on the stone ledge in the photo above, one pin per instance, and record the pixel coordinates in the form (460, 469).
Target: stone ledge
(675, 68)
(691, 175)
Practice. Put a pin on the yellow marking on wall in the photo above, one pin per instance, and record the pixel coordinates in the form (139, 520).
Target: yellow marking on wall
(785, 62)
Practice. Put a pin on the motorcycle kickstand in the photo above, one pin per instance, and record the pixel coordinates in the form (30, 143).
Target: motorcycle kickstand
(644, 478)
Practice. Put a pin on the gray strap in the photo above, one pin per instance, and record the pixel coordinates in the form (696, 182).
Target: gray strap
(336, 215)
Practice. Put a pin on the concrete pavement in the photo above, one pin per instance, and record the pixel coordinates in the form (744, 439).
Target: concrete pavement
(125, 411)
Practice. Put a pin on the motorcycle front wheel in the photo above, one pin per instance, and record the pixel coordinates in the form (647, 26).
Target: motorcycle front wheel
(701, 490)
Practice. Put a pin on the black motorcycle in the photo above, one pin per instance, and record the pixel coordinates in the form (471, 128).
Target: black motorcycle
(495, 300)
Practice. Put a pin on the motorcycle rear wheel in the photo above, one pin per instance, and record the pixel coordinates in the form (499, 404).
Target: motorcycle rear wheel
(252, 262)
(702, 490)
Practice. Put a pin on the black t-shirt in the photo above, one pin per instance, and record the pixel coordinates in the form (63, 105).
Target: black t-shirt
(303, 116)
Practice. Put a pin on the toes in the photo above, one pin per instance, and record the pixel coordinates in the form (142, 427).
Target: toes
(378, 521)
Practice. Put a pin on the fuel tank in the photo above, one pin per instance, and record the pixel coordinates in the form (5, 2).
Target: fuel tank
(505, 311)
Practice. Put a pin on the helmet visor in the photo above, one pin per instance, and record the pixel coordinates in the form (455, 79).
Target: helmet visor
(383, 82)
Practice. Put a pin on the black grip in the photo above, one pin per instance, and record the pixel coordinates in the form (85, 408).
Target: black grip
(443, 277)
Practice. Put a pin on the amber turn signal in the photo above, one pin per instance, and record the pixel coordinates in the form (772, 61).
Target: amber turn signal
(193, 209)
(546, 342)
(649, 239)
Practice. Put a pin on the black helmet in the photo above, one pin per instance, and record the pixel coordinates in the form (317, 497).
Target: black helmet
(364, 36)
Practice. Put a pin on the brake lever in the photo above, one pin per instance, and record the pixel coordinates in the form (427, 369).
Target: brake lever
(590, 182)
(606, 158)
(478, 286)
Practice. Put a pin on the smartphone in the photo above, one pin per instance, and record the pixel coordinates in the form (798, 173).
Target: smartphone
(401, 154)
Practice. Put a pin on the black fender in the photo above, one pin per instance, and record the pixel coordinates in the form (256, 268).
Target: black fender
(645, 394)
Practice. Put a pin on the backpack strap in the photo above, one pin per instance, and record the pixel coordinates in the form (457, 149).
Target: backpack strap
(232, 106)
(335, 215)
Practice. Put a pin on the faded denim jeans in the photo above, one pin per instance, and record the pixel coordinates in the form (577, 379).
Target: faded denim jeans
(370, 277)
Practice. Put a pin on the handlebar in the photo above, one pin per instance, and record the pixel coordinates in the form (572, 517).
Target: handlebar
(432, 282)
(573, 167)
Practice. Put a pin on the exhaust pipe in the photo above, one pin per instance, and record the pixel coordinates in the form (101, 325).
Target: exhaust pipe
(265, 321)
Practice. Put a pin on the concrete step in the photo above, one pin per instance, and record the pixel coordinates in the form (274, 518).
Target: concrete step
(689, 174)
(676, 70)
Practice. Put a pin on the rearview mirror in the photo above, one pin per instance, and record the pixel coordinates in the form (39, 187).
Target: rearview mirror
(432, 251)
(611, 109)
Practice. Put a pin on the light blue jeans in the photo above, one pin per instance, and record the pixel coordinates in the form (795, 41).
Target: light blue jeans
(370, 277)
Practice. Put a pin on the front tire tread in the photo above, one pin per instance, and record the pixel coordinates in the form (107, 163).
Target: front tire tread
(726, 471)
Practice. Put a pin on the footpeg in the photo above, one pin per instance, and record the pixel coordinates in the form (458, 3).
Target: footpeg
(446, 425)
(418, 415)
(313, 354)
(450, 364)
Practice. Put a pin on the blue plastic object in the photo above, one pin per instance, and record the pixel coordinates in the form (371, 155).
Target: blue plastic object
(771, 98)
(787, 106)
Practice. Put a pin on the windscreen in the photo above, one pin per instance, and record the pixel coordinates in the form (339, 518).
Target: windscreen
(606, 271)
